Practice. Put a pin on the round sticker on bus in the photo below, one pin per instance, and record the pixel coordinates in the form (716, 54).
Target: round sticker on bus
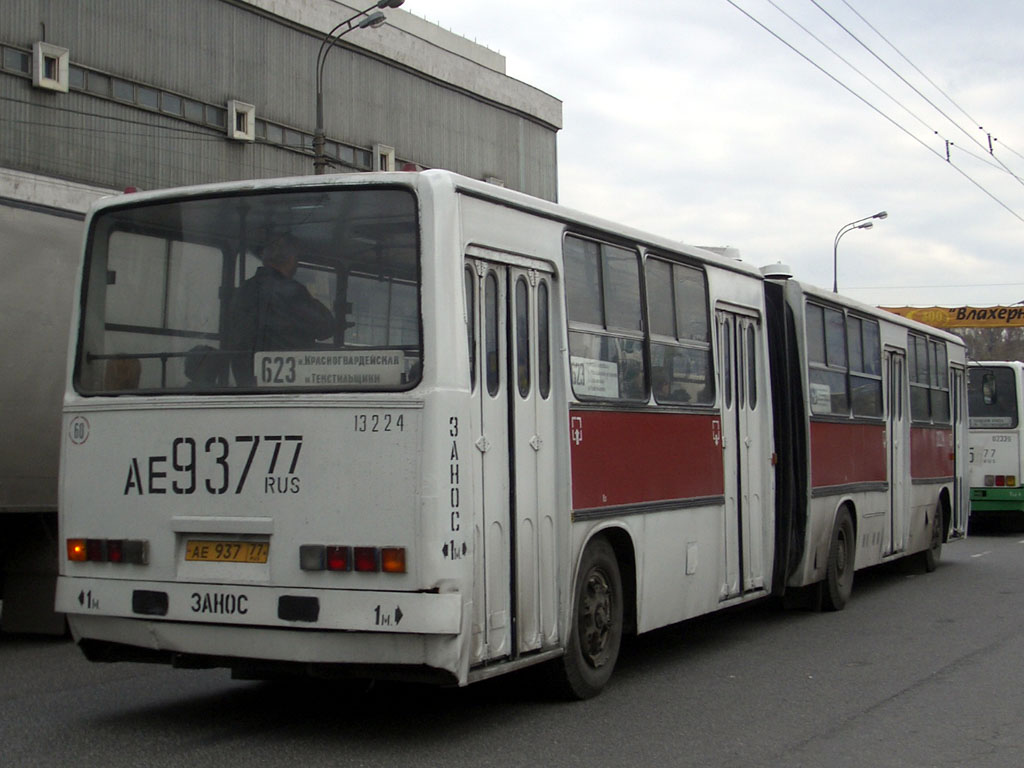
(78, 430)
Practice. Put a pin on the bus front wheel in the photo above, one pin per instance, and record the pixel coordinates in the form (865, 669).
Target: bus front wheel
(595, 632)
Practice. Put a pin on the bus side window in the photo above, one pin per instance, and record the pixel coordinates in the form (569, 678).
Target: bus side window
(491, 334)
(522, 337)
(751, 367)
(470, 307)
(681, 367)
(726, 348)
(543, 341)
(606, 333)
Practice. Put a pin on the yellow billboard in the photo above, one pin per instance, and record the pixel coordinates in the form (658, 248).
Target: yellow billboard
(964, 317)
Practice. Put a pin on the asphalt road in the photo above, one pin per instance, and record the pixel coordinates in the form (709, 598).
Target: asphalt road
(919, 670)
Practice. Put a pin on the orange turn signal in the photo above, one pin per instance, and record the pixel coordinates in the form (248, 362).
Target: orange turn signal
(76, 550)
(392, 559)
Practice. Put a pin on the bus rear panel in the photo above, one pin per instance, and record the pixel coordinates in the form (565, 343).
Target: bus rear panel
(994, 407)
(244, 454)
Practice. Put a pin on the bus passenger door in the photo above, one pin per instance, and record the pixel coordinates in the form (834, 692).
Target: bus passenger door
(745, 453)
(491, 528)
(533, 446)
(961, 503)
(514, 606)
(897, 447)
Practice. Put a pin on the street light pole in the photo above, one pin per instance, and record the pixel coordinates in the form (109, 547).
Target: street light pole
(865, 223)
(366, 20)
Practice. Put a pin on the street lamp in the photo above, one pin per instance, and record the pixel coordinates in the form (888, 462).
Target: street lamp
(366, 20)
(865, 223)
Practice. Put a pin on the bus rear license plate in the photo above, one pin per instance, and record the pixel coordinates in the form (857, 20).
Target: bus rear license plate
(205, 551)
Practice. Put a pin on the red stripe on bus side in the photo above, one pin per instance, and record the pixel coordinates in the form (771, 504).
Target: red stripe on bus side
(633, 458)
(847, 453)
(931, 453)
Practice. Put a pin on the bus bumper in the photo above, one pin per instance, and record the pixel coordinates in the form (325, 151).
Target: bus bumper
(273, 607)
(412, 636)
(997, 500)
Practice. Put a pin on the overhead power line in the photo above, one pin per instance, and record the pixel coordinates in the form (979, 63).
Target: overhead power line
(874, 108)
(910, 85)
(932, 83)
(912, 64)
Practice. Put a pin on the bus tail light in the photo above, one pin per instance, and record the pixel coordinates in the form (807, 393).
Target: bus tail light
(392, 559)
(95, 550)
(367, 559)
(1000, 481)
(339, 558)
(132, 551)
(115, 550)
(318, 557)
(76, 550)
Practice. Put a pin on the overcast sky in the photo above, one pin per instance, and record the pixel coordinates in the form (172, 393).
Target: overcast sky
(687, 119)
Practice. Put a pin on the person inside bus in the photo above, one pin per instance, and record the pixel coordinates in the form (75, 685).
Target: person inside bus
(274, 311)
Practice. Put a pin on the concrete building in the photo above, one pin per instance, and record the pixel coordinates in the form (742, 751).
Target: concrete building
(102, 96)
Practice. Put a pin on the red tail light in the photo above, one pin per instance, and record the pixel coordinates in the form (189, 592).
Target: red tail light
(367, 559)
(130, 551)
(320, 557)
(339, 558)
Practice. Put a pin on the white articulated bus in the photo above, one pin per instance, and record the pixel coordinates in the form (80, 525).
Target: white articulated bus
(422, 426)
(995, 403)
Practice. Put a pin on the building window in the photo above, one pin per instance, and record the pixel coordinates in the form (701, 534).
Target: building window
(76, 78)
(193, 111)
(241, 121)
(97, 83)
(171, 104)
(50, 67)
(383, 157)
(275, 134)
(217, 117)
(123, 91)
(19, 61)
(147, 97)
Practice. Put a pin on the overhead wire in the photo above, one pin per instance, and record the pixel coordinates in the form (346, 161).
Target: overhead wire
(197, 134)
(894, 99)
(850, 64)
(873, 107)
(900, 53)
(910, 85)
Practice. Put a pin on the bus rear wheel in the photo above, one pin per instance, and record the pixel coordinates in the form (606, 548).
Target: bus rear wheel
(595, 632)
(930, 557)
(839, 573)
